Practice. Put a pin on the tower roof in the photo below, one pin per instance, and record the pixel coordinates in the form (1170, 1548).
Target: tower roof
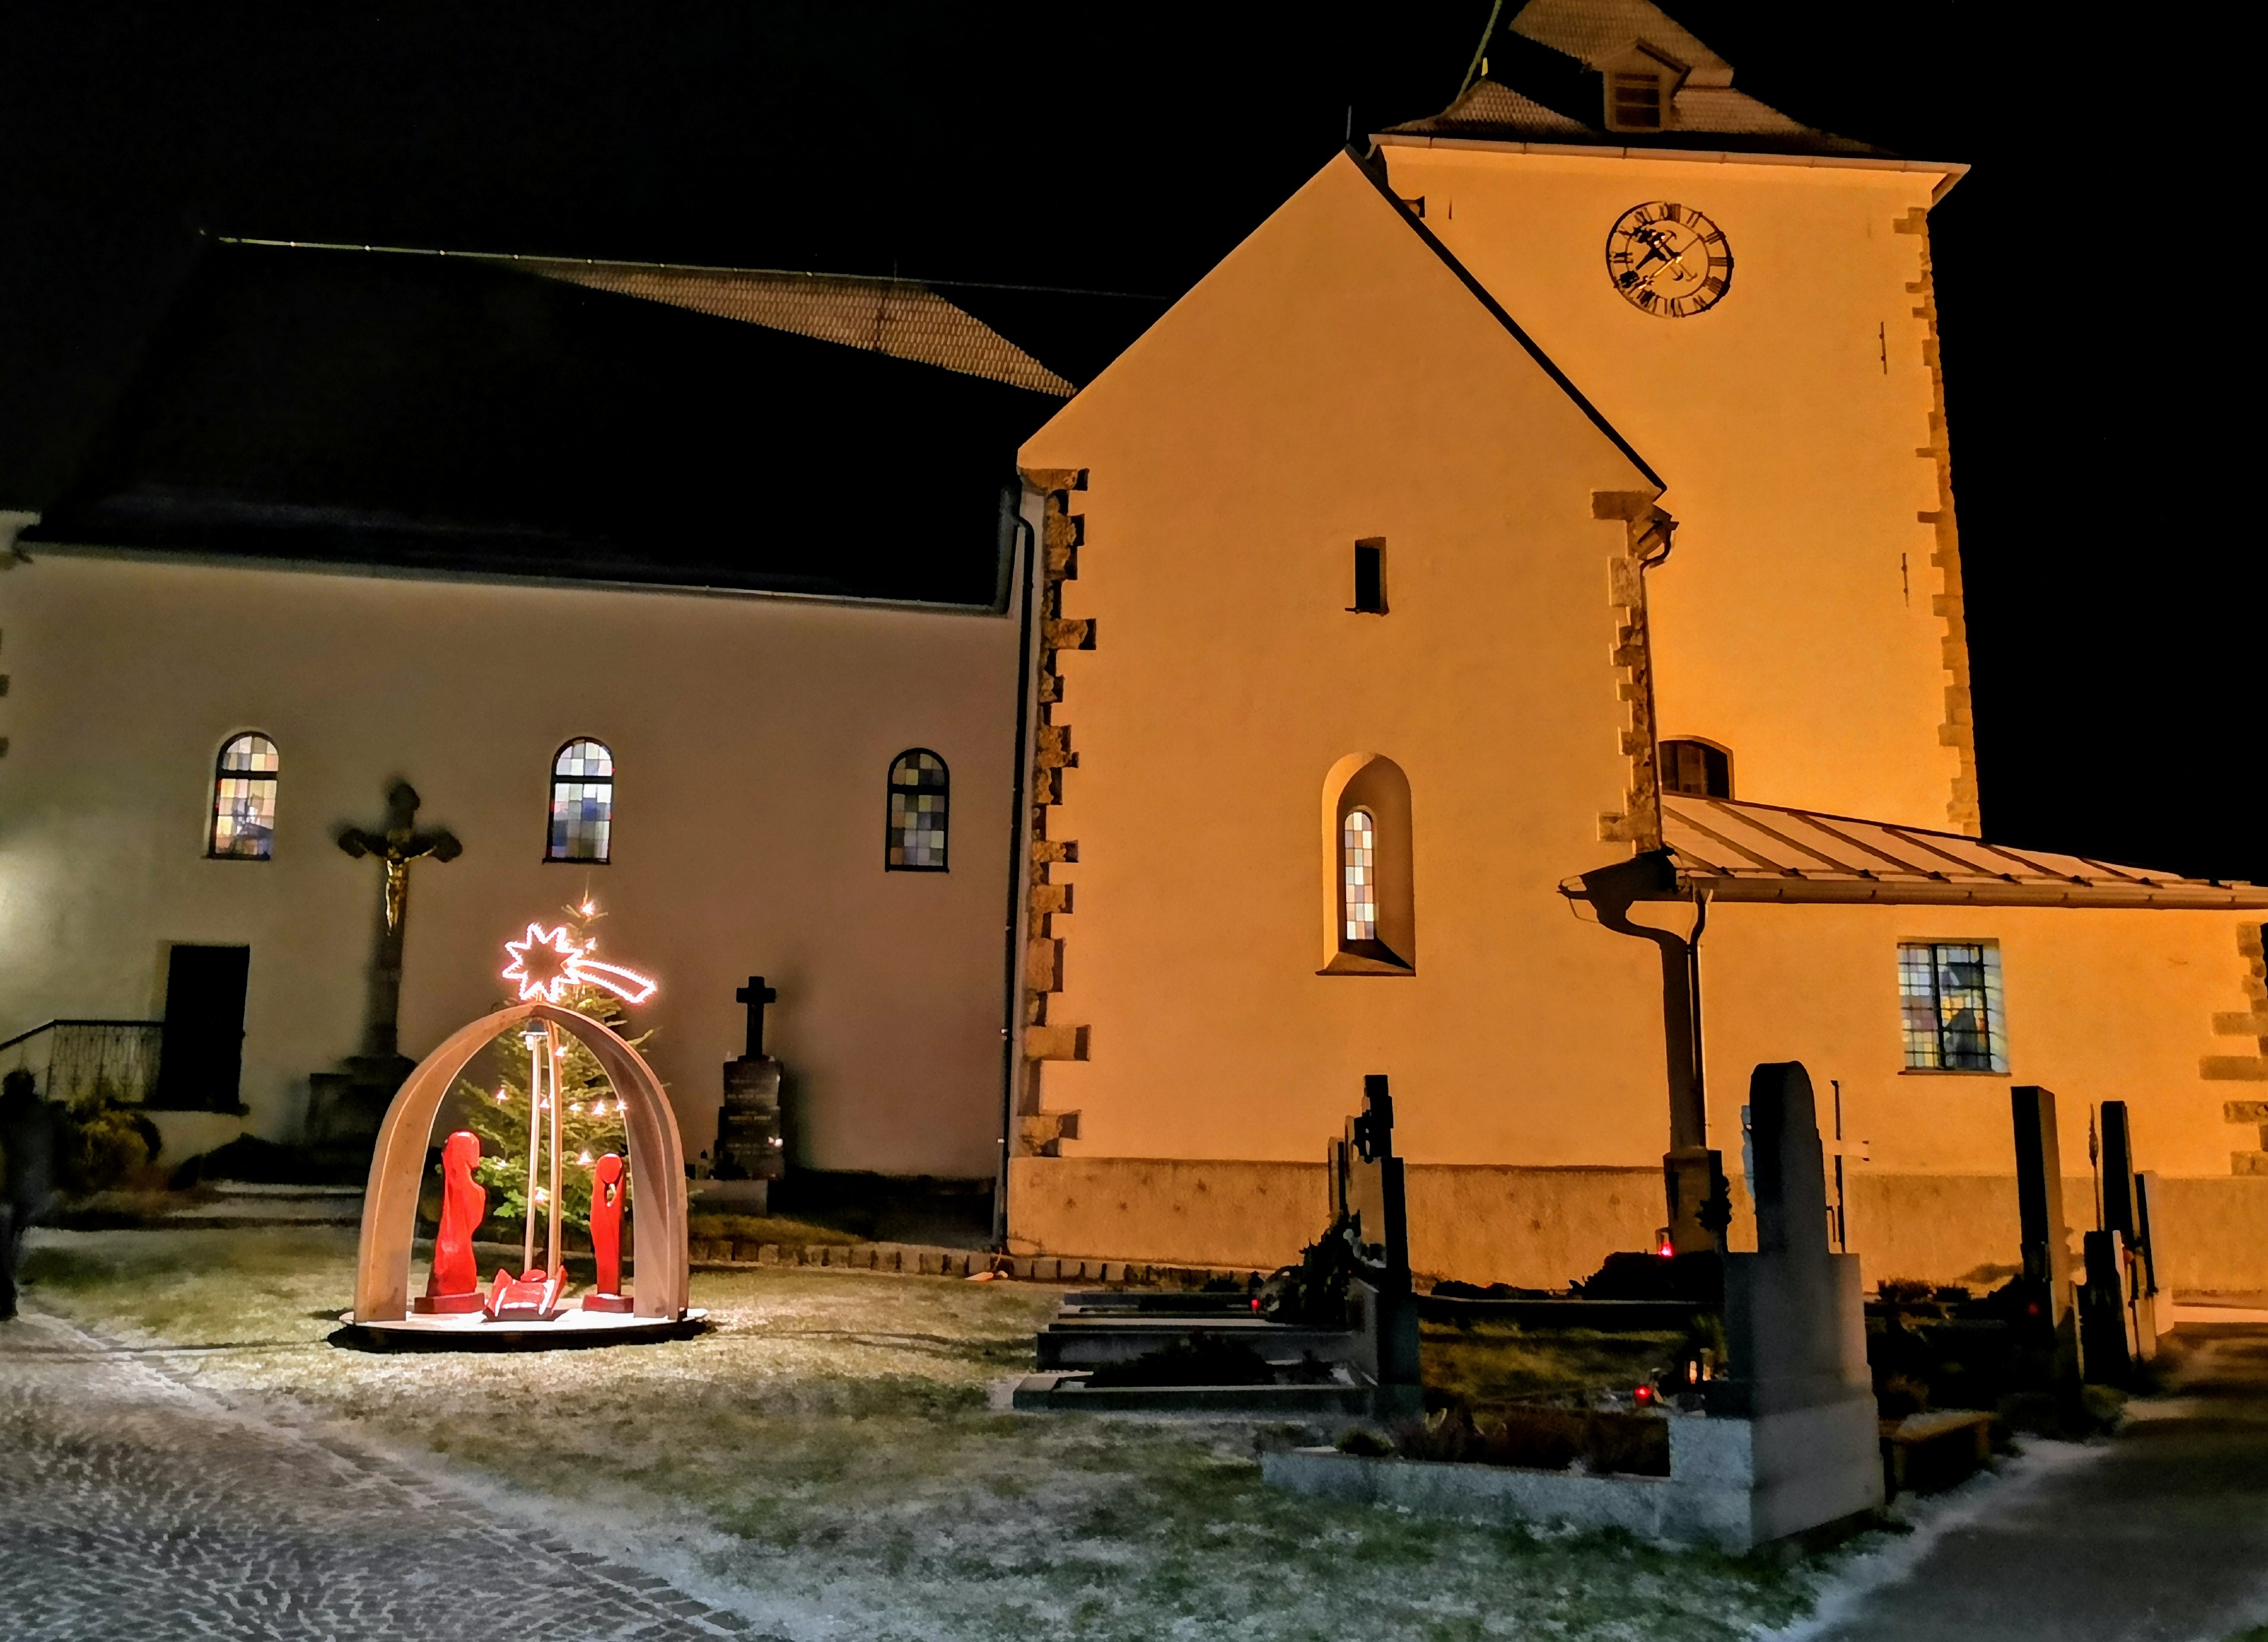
(1619, 72)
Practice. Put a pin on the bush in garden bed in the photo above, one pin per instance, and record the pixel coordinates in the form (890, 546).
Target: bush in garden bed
(1533, 1438)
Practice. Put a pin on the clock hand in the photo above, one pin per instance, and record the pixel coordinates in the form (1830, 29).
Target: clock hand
(1657, 249)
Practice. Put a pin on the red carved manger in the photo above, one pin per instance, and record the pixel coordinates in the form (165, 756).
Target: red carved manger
(529, 1307)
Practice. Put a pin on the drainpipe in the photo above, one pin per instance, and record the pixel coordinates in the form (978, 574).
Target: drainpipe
(1699, 1206)
(1698, 1203)
(1019, 863)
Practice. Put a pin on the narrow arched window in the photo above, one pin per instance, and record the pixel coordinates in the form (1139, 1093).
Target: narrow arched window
(582, 802)
(243, 799)
(1370, 914)
(1700, 768)
(1359, 867)
(920, 791)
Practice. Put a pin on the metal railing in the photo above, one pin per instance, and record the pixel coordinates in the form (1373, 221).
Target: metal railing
(73, 1059)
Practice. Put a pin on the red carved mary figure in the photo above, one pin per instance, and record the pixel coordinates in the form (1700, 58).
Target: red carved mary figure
(454, 1284)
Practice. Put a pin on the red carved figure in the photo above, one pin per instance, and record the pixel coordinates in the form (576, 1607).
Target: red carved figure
(454, 1283)
(607, 1235)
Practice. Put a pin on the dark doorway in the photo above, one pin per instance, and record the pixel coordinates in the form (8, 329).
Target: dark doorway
(202, 1054)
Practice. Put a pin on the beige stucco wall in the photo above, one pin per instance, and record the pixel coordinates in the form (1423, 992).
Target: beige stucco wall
(2101, 1005)
(1333, 380)
(1790, 422)
(751, 736)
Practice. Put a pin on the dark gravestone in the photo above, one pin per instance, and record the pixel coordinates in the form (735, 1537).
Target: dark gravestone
(2117, 1172)
(1795, 1329)
(1370, 1197)
(749, 1141)
(2105, 1347)
(2050, 1332)
(2117, 1325)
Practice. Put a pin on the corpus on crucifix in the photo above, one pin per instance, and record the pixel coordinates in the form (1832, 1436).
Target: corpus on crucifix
(395, 848)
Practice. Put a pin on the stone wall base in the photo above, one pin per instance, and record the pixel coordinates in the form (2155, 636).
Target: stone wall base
(1546, 1227)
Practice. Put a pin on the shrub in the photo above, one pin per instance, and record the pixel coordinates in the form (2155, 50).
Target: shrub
(104, 1142)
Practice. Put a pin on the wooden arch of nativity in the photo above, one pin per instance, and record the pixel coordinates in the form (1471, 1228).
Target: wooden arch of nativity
(389, 1205)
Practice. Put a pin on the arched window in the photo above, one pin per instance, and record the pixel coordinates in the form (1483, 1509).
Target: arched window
(1358, 864)
(243, 799)
(582, 802)
(920, 790)
(1370, 915)
(1702, 770)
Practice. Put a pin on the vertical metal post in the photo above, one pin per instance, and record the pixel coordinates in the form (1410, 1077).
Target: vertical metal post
(535, 1041)
(552, 1209)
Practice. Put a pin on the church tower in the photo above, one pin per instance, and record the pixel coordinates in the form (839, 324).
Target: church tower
(1749, 300)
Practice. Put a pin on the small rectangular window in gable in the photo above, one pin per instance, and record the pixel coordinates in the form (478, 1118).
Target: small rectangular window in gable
(1370, 576)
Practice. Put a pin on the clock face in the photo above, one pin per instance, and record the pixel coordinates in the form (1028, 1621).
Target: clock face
(1668, 260)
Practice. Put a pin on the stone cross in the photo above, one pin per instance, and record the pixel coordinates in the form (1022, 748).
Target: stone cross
(756, 995)
(395, 848)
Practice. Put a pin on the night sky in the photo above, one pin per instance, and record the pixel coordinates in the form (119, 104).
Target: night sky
(2091, 349)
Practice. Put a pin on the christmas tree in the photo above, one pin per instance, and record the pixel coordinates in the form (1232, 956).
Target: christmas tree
(592, 1124)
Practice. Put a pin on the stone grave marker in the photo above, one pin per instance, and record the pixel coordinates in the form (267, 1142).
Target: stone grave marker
(748, 1154)
(2052, 1342)
(1369, 1195)
(1795, 1334)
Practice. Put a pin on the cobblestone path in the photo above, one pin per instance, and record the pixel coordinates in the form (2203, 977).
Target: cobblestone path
(132, 1506)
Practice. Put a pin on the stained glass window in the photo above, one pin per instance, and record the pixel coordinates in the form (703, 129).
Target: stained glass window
(1949, 999)
(1359, 865)
(582, 802)
(920, 790)
(243, 799)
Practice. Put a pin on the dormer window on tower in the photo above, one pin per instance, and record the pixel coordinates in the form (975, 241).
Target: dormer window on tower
(1634, 102)
(1641, 85)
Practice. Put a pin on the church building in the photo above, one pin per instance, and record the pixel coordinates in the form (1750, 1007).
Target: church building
(1502, 629)
(686, 593)
(1520, 598)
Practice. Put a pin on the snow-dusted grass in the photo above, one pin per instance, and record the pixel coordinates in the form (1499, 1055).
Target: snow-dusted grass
(827, 1461)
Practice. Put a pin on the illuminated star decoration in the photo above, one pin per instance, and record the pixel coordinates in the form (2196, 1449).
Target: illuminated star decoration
(548, 964)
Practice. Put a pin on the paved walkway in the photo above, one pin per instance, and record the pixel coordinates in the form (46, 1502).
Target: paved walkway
(133, 1504)
(2163, 1538)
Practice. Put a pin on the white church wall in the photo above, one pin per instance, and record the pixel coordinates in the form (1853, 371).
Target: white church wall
(752, 739)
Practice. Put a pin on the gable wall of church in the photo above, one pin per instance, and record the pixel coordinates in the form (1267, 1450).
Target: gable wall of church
(1802, 620)
(752, 740)
(1332, 382)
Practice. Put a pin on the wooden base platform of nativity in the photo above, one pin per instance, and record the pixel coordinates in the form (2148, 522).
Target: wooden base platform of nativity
(575, 1330)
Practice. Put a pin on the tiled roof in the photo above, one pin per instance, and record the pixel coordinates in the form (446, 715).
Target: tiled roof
(900, 318)
(1488, 109)
(1547, 85)
(1596, 30)
(1739, 852)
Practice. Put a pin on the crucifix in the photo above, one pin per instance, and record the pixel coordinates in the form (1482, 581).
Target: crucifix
(395, 848)
(756, 995)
